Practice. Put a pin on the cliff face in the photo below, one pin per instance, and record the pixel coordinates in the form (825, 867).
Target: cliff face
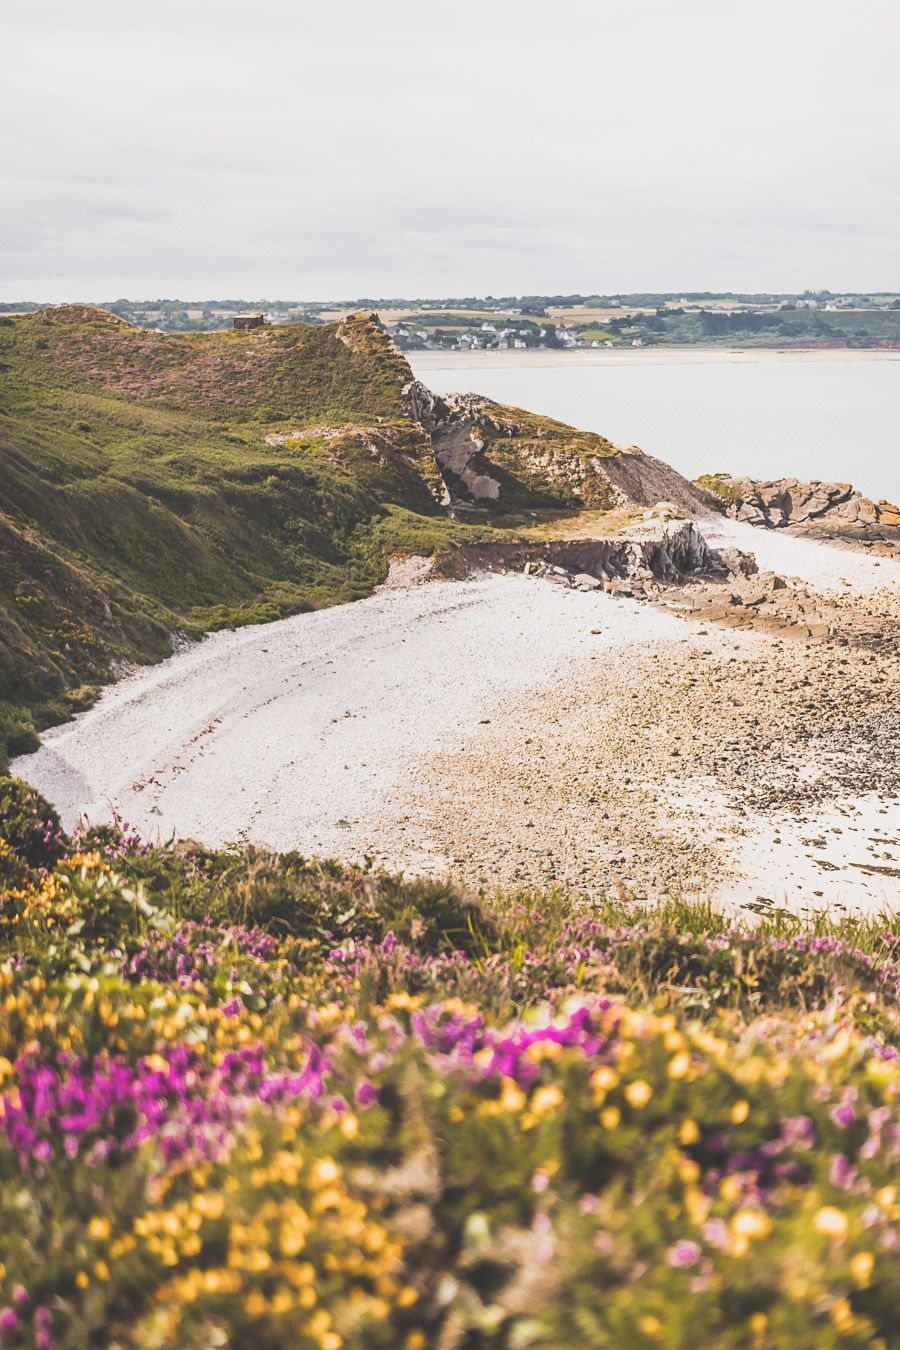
(289, 383)
(493, 456)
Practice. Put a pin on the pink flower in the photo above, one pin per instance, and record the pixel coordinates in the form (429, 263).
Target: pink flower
(841, 1172)
(366, 1094)
(9, 1321)
(683, 1253)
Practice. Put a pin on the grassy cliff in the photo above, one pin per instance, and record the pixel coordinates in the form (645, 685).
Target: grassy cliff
(537, 458)
(140, 494)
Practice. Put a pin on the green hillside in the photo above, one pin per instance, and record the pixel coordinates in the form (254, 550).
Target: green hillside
(138, 494)
(152, 483)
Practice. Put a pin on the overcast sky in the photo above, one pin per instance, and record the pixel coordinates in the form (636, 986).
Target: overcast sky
(284, 148)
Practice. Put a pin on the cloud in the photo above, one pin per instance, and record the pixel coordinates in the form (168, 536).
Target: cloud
(455, 147)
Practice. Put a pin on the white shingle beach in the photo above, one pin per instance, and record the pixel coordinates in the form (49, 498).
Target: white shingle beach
(567, 736)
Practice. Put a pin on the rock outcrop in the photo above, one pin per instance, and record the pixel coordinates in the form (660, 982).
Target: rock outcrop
(638, 479)
(452, 425)
(825, 509)
(668, 554)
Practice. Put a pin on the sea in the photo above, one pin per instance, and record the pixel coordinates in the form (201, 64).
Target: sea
(833, 416)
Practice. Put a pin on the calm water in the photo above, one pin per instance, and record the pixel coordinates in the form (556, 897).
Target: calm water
(767, 416)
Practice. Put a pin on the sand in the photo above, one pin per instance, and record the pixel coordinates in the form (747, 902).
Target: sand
(304, 733)
(511, 732)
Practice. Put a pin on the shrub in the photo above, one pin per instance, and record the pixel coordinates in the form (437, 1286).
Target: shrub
(30, 827)
(292, 896)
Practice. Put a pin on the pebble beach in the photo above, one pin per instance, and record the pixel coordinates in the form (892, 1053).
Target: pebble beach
(505, 731)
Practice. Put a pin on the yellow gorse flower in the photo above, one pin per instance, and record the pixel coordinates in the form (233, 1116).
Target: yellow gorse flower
(831, 1222)
(638, 1093)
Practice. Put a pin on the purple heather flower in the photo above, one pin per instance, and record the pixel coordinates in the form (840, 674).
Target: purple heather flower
(9, 1321)
(683, 1253)
(43, 1322)
(841, 1172)
(798, 1131)
(716, 1232)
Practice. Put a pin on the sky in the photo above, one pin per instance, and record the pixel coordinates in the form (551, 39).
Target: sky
(403, 148)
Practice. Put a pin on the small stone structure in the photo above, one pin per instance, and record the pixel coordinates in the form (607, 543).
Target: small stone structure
(247, 321)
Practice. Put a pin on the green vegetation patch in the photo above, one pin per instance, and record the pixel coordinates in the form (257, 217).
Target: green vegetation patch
(722, 485)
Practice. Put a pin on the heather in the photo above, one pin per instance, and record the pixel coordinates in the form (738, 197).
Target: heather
(250, 1099)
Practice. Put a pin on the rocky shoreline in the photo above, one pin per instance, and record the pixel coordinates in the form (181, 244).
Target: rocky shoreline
(772, 730)
(671, 563)
(834, 512)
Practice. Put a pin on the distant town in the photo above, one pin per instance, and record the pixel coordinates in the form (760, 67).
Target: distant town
(561, 322)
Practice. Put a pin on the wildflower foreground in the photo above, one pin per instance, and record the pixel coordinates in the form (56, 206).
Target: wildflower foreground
(246, 1100)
